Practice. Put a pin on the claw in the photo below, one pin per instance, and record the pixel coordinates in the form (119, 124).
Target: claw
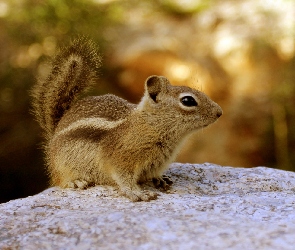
(80, 184)
(163, 182)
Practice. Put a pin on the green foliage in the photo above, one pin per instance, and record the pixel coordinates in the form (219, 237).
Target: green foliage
(31, 30)
(185, 8)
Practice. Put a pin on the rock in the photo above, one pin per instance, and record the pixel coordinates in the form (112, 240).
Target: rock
(208, 207)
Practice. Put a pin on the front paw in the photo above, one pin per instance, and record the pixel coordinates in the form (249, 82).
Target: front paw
(139, 195)
(163, 182)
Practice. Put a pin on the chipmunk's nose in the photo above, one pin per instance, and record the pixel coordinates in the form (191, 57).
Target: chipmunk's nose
(219, 113)
(216, 110)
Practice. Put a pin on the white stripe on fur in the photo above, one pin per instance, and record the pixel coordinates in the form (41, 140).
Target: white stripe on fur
(99, 123)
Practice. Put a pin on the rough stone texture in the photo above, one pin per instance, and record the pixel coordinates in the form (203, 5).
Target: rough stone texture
(208, 207)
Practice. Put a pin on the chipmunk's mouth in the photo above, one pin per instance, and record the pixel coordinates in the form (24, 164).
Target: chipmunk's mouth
(206, 125)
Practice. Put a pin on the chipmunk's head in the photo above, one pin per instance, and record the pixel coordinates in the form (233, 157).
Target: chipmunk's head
(190, 108)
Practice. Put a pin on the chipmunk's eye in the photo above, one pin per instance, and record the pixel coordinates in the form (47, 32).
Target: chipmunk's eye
(188, 101)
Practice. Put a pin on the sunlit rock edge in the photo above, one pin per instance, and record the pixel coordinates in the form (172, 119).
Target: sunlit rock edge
(208, 207)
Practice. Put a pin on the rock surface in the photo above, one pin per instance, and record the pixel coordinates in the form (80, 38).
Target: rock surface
(208, 207)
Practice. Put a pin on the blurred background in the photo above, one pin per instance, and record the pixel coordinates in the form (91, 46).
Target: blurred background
(239, 52)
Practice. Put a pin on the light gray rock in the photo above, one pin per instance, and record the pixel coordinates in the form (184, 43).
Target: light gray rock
(208, 207)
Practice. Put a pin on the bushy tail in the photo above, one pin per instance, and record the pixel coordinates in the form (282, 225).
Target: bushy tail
(73, 70)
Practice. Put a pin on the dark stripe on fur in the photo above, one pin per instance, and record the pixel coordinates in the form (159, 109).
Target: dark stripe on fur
(74, 70)
(86, 134)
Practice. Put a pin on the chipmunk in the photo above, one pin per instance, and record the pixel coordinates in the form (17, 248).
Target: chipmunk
(105, 139)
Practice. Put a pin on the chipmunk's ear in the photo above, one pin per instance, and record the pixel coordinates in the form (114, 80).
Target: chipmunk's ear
(154, 85)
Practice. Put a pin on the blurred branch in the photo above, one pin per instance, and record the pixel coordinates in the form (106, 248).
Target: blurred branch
(281, 135)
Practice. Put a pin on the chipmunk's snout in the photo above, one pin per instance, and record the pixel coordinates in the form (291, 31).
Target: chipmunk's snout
(217, 110)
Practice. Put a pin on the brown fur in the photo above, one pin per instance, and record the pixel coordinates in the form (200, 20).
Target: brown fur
(105, 139)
